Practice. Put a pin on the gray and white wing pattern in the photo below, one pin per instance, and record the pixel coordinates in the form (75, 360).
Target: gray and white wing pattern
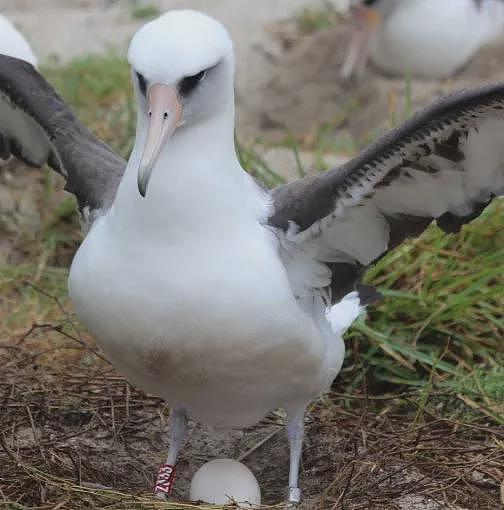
(445, 164)
(38, 127)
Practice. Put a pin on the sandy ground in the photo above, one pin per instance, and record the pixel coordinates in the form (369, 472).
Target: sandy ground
(67, 29)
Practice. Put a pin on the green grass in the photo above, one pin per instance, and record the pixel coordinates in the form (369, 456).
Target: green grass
(441, 318)
(145, 12)
(439, 328)
(312, 19)
(99, 89)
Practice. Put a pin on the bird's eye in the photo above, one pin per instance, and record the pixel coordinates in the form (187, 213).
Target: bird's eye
(189, 83)
(142, 83)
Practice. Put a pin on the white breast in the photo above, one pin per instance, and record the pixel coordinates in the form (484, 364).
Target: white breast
(209, 324)
(186, 293)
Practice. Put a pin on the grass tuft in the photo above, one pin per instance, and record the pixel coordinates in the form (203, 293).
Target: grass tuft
(314, 19)
(145, 12)
(99, 89)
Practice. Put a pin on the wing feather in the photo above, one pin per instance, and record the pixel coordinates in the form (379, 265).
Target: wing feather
(38, 127)
(446, 164)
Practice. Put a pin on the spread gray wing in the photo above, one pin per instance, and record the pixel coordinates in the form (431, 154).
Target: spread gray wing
(38, 127)
(444, 164)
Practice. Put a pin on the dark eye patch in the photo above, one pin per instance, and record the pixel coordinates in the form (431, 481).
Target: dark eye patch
(142, 83)
(189, 83)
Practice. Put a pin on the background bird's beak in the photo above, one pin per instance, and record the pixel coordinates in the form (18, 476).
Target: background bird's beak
(371, 17)
(165, 114)
(367, 20)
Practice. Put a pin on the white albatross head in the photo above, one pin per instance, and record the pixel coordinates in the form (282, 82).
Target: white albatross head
(183, 68)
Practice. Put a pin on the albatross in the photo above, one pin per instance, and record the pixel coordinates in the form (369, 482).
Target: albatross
(424, 38)
(13, 43)
(225, 299)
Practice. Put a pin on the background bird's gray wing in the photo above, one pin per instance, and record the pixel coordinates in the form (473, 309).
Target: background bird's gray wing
(444, 164)
(38, 127)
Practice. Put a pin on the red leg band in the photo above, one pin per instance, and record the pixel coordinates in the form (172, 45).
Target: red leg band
(165, 479)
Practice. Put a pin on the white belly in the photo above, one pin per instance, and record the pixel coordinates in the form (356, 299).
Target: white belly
(216, 332)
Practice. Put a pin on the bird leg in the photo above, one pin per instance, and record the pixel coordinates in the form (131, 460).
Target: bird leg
(295, 433)
(166, 473)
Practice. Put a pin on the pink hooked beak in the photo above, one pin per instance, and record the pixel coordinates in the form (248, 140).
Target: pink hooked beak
(165, 114)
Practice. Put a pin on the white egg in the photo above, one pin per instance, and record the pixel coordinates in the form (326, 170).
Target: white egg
(221, 481)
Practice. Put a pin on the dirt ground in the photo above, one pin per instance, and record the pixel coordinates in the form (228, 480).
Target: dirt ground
(74, 434)
(88, 425)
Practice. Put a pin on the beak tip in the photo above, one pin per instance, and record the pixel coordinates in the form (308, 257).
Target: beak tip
(142, 188)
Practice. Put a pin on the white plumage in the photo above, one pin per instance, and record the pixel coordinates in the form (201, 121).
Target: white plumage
(13, 44)
(183, 251)
(183, 255)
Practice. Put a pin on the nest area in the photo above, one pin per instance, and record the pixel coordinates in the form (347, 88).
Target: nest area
(77, 435)
(74, 434)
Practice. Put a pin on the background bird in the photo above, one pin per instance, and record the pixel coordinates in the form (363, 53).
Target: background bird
(13, 43)
(205, 289)
(422, 38)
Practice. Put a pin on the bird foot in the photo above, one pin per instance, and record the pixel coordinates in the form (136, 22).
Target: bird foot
(294, 498)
